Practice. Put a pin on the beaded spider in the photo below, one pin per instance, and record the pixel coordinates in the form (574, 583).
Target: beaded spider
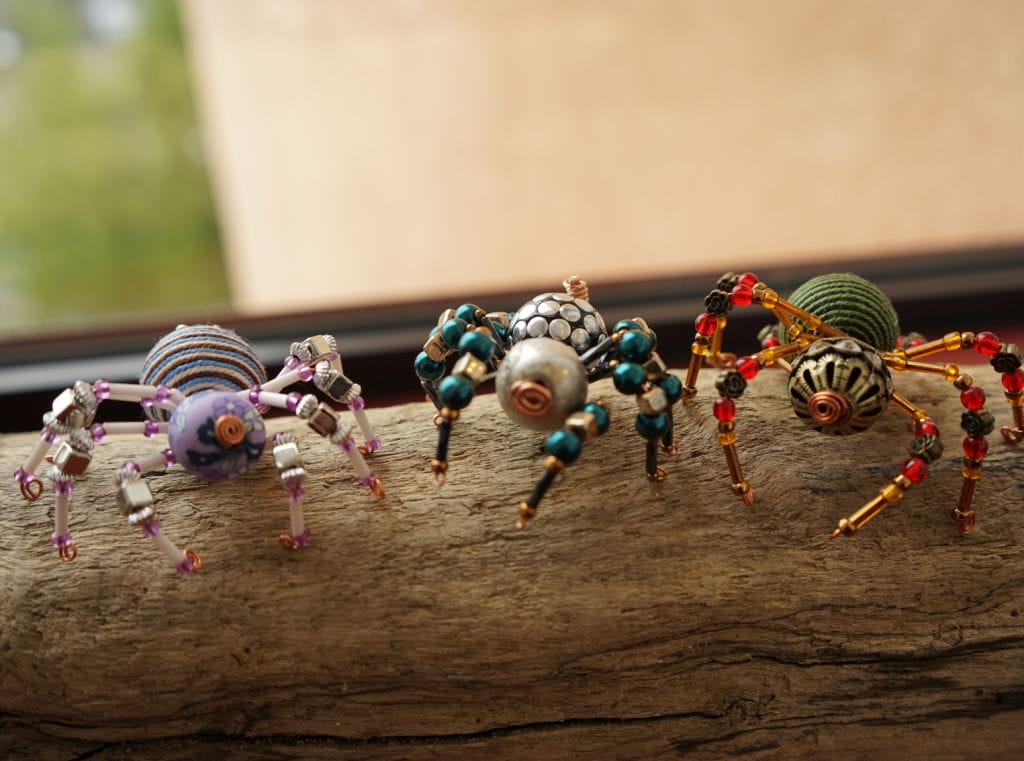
(543, 358)
(205, 388)
(842, 335)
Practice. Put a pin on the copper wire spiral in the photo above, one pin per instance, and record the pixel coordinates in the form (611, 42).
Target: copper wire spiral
(576, 287)
(828, 407)
(530, 398)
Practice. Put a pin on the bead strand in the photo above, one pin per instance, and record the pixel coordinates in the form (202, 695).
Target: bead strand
(564, 447)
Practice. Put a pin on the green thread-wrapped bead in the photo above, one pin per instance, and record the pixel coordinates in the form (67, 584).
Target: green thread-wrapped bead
(852, 305)
(478, 344)
(427, 368)
(635, 346)
(565, 445)
(456, 391)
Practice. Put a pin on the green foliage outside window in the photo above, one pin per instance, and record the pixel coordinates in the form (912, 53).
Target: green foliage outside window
(105, 208)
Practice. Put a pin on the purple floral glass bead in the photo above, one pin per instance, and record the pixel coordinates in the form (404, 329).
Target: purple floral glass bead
(216, 435)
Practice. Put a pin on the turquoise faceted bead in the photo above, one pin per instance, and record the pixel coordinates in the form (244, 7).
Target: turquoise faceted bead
(636, 346)
(627, 325)
(652, 426)
(629, 378)
(600, 416)
(452, 331)
(427, 368)
(565, 445)
(673, 388)
(467, 312)
(478, 344)
(456, 391)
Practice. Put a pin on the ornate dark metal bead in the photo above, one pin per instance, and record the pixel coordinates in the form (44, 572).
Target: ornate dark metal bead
(1008, 359)
(978, 423)
(717, 303)
(731, 384)
(927, 447)
(727, 281)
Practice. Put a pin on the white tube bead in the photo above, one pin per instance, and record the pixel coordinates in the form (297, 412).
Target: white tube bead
(281, 381)
(60, 513)
(170, 549)
(295, 513)
(361, 468)
(37, 456)
(364, 425)
(147, 464)
(272, 399)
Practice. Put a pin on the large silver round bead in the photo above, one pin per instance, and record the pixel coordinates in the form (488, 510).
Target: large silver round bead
(560, 316)
(839, 386)
(540, 383)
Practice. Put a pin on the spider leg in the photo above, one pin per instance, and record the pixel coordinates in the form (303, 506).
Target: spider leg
(481, 341)
(135, 499)
(289, 467)
(563, 448)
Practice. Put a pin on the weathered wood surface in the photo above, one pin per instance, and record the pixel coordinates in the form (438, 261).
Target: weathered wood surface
(631, 620)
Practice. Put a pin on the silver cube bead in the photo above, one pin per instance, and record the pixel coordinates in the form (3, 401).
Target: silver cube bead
(133, 495)
(324, 420)
(583, 424)
(652, 402)
(471, 367)
(287, 456)
(655, 367)
(71, 461)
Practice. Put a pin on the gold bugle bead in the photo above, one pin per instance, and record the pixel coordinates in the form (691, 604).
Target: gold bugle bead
(966, 495)
(722, 322)
(897, 362)
(733, 461)
(869, 511)
(952, 341)
(908, 406)
(892, 493)
(948, 371)
(765, 296)
(963, 381)
(925, 349)
(794, 331)
(727, 438)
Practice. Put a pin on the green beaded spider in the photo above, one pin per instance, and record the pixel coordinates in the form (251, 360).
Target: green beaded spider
(543, 358)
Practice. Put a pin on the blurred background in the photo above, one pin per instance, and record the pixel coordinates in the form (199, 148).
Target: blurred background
(289, 167)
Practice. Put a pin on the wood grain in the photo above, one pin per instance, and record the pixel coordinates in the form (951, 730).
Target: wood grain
(631, 620)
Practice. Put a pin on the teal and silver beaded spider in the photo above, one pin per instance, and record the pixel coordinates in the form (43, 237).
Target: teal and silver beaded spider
(543, 358)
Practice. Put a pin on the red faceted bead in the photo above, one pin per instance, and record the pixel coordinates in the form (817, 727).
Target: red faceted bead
(975, 447)
(914, 342)
(1014, 382)
(915, 469)
(742, 296)
(748, 279)
(748, 367)
(972, 398)
(986, 344)
(926, 428)
(770, 342)
(724, 409)
(706, 324)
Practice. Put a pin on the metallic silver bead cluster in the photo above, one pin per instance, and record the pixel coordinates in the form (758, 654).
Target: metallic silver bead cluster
(559, 316)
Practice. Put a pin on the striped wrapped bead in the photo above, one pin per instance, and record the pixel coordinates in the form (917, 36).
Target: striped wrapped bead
(850, 304)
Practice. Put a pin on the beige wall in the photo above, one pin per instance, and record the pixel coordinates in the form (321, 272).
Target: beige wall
(390, 149)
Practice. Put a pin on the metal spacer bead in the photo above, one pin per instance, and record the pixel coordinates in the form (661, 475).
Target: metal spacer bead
(307, 406)
(902, 481)
(449, 414)
(963, 381)
(553, 464)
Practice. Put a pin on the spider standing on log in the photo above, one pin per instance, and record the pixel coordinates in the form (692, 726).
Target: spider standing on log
(842, 336)
(543, 358)
(212, 386)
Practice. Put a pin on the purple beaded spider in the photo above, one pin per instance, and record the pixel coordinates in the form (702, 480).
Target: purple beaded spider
(214, 428)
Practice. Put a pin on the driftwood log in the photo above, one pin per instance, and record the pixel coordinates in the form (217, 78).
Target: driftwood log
(632, 619)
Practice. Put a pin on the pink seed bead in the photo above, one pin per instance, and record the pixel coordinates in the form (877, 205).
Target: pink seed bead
(254, 395)
(98, 432)
(291, 362)
(972, 398)
(915, 469)
(162, 394)
(102, 389)
(724, 409)
(306, 373)
(741, 296)
(1014, 382)
(748, 367)
(748, 279)
(975, 447)
(169, 456)
(706, 324)
(152, 429)
(292, 402)
(986, 344)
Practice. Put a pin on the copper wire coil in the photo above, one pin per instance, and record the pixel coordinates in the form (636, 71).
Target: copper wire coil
(828, 407)
(530, 398)
(229, 430)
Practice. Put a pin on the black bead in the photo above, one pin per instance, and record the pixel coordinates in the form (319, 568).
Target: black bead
(731, 384)
(717, 303)
(927, 447)
(1008, 359)
(978, 423)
